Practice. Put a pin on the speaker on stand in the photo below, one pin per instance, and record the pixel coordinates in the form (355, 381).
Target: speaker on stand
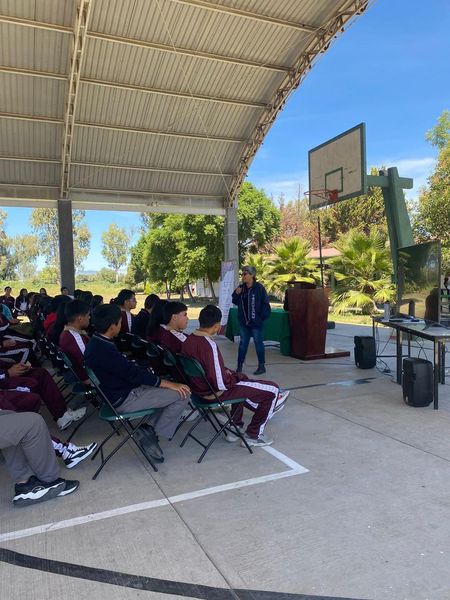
(365, 351)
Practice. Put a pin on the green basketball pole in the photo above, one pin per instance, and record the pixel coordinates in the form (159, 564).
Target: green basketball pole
(399, 225)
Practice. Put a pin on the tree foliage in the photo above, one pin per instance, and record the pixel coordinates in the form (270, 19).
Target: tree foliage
(25, 252)
(44, 223)
(290, 262)
(115, 242)
(258, 219)
(7, 261)
(432, 220)
(362, 271)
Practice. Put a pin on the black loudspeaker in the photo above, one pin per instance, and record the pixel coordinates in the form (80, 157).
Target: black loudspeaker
(417, 381)
(365, 352)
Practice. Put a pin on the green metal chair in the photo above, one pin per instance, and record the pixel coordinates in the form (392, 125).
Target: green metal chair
(120, 421)
(192, 368)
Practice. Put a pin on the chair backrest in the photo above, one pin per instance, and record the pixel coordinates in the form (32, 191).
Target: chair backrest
(192, 368)
(66, 359)
(93, 377)
(153, 350)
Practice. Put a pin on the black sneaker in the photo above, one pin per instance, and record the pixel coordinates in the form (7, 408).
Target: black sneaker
(69, 486)
(34, 491)
(260, 370)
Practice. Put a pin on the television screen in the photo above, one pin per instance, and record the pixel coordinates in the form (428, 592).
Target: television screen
(419, 280)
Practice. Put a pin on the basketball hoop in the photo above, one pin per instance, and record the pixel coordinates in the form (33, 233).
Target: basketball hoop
(330, 196)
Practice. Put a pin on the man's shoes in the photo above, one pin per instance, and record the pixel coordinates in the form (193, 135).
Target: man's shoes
(262, 440)
(34, 491)
(281, 401)
(70, 416)
(231, 437)
(239, 368)
(69, 486)
(147, 438)
(260, 370)
(73, 455)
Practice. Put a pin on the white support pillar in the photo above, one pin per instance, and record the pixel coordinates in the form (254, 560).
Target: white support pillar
(231, 239)
(65, 239)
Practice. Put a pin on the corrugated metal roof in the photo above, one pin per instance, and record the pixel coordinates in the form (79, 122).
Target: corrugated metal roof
(171, 100)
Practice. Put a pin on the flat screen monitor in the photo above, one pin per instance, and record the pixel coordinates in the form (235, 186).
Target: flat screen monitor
(419, 280)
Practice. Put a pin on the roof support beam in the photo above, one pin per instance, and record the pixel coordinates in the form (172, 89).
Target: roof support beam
(247, 14)
(162, 92)
(79, 44)
(33, 159)
(194, 136)
(144, 44)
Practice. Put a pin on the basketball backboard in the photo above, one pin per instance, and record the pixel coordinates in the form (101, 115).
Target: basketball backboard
(337, 168)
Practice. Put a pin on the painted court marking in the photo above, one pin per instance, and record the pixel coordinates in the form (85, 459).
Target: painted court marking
(294, 469)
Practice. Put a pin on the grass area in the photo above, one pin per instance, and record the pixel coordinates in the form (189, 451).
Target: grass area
(110, 290)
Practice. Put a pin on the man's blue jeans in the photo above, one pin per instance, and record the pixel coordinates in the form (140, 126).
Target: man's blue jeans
(246, 334)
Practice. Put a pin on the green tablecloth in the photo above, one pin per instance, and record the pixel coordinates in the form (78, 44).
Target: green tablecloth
(276, 328)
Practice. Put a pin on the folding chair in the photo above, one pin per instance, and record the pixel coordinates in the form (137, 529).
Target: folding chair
(138, 349)
(80, 389)
(192, 368)
(120, 421)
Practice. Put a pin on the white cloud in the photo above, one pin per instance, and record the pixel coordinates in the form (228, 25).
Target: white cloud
(288, 186)
(419, 169)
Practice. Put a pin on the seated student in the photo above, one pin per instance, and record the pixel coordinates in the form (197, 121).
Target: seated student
(74, 339)
(128, 386)
(52, 314)
(39, 383)
(126, 300)
(21, 303)
(156, 318)
(175, 319)
(13, 345)
(141, 320)
(29, 457)
(8, 299)
(262, 397)
(65, 291)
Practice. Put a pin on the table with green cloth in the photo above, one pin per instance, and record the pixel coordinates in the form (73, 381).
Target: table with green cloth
(276, 328)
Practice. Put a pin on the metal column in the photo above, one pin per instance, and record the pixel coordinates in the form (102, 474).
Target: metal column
(65, 239)
(231, 239)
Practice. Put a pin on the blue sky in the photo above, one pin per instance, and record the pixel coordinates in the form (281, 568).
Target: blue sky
(389, 70)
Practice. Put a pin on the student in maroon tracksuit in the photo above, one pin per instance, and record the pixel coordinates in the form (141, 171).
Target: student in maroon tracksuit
(127, 302)
(39, 387)
(74, 339)
(170, 333)
(263, 398)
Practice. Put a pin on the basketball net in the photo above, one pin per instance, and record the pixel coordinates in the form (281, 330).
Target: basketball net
(331, 196)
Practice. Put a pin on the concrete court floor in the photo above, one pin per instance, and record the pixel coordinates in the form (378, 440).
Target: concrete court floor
(368, 520)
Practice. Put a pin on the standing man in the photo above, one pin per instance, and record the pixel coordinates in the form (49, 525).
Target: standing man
(253, 309)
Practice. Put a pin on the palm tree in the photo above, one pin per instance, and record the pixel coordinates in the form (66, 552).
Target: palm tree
(362, 272)
(292, 263)
(262, 266)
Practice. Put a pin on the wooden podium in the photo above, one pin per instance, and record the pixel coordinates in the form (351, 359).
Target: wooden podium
(308, 315)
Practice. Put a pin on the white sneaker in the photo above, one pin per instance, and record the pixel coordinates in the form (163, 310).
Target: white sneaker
(65, 421)
(281, 401)
(232, 437)
(70, 416)
(77, 414)
(262, 440)
(72, 455)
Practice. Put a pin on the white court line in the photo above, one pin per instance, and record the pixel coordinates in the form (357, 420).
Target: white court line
(295, 469)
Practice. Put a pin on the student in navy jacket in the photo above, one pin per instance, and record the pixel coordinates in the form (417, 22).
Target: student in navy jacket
(128, 386)
(253, 309)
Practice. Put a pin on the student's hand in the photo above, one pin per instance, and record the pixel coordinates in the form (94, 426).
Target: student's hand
(18, 369)
(238, 290)
(9, 343)
(181, 388)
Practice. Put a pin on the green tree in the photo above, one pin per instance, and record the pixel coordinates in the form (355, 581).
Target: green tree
(362, 271)
(115, 242)
(431, 220)
(25, 251)
(7, 260)
(262, 265)
(291, 262)
(44, 223)
(258, 219)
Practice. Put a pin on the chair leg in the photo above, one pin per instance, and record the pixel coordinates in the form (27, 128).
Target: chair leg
(87, 416)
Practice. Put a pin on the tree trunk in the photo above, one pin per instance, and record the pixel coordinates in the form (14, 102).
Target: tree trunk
(117, 276)
(213, 293)
(181, 294)
(188, 287)
(167, 289)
